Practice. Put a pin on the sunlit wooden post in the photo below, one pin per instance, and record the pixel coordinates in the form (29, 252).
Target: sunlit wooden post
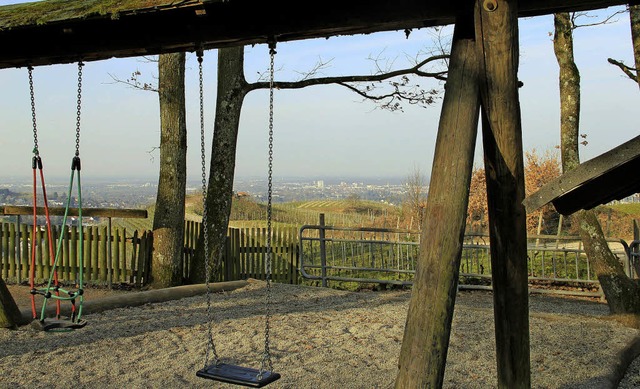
(426, 338)
(497, 39)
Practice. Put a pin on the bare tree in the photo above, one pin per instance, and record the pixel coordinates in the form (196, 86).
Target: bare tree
(168, 220)
(622, 293)
(233, 87)
(416, 197)
(631, 72)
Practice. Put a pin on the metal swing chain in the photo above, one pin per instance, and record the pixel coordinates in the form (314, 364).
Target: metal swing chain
(36, 152)
(266, 359)
(211, 347)
(79, 106)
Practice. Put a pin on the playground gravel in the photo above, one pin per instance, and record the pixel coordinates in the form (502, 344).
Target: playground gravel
(319, 338)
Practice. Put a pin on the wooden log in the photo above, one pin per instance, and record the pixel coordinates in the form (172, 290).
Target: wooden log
(426, 337)
(497, 38)
(86, 212)
(135, 299)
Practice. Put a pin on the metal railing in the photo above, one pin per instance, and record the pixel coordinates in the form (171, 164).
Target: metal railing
(389, 256)
(634, 259)
(376, 255)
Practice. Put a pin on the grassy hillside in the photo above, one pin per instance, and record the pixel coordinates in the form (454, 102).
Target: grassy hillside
(616, 219)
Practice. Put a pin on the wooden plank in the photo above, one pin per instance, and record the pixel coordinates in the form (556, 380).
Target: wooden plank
(86, 212)
(65, 31)
(609, 176)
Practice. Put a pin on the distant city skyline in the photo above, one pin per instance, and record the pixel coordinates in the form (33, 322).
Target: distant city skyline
(323, 131)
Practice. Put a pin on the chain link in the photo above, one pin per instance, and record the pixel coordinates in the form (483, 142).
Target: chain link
(266, 359)
(36, 152)
(211, 347)
(79, 106)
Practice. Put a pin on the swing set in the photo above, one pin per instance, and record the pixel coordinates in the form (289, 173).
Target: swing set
(53, 289)
(213, 368)
(217, 370)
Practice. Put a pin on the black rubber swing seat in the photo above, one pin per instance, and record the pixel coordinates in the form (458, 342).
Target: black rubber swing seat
(238, 375)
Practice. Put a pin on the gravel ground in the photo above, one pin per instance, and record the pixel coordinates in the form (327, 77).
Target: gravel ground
(319, 338)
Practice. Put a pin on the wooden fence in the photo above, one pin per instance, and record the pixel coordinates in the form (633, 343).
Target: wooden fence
(245, 253)
(111, 257)
(106, 257)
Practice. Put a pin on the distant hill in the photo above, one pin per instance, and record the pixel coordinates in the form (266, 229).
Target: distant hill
(616, 219)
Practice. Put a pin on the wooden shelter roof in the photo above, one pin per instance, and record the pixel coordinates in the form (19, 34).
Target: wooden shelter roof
(64, 31)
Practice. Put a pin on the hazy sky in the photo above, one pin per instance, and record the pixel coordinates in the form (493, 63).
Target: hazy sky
(323, 131)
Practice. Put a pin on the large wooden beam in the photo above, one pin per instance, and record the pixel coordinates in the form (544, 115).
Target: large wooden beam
(497, 34)
(609, 176)
(65, 31)
(86, 212)
(426, 338)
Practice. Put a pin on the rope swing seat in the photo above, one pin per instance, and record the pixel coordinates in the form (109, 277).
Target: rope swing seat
(219, 371)
(53, 289)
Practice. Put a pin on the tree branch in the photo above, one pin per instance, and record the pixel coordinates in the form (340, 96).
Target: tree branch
(413, 96)
(134, 83)
(625, 69)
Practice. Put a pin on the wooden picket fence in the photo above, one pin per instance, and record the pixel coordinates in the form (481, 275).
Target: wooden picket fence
(111, 257)
(107, 258)
(245, 253)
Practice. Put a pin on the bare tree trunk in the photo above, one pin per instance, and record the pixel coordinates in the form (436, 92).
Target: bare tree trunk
(428, 327)
(569, 91)
(497, 35)
(622, 293)
(232, 88)
(168, 221)
(9, 312)
(634, 16)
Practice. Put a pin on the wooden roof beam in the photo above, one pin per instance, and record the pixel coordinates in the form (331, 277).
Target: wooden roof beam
(172, 26)
(609, 176)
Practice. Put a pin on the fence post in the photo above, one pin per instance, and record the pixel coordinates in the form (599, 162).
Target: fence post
(104, 264)
(323, 252)
(135, 270)
(109, 258)
(116, 263)
(18, 248)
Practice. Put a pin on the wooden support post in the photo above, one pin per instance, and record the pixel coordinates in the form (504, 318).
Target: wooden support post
(426, 337)
(497, 38)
